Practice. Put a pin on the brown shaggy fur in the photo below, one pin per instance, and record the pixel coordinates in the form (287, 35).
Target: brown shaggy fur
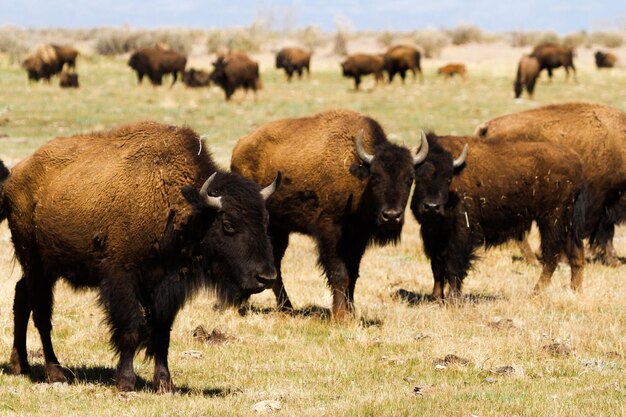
(358, 65)
(236, 70)
(68, 80)
(155, 62)
(42, 64)
(527, 74)
(598, 134)
(449, 70)
(552, 56)
(196, 78)
(401, 58)
(294, 60)
(605, 59)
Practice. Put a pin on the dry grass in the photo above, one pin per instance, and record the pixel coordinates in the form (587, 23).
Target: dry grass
(560, 354)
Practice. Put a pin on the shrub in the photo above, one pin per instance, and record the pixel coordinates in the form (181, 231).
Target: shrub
(340, 43)
(465, 34)
(120, 41)
(432, 41)
(312, 37)
(609, 39)
(240, 39)
(532, 38)
(575, 40)
(385, 39)
(12, 46)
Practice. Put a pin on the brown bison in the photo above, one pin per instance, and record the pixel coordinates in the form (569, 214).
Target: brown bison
(147, 226)
(293, 60)
(68, 80)
(66, 55)
(400, 59)
(346, 189)
(598, 134)
(450, 70)
(196, 78)
(155, 62)
(357, 65)
(605, 59)
(552, 56)
(49, 60)
(491, 193)
(235, 70)
(527, 74)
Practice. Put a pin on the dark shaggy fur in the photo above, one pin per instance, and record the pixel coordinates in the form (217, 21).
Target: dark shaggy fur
(235, 70)
(526, 77)
(400, 59)
(294, 60)
(551, 56)
(605, 59)
(493, 197)
(196, 78)
(358, 65)
(328, 192)
(155, 62)
(134, 226)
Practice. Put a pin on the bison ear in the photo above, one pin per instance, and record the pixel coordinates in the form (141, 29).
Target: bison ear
(192, 195)
(360, 170)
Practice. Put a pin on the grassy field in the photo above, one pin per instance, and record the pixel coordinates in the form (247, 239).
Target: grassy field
(500, 353)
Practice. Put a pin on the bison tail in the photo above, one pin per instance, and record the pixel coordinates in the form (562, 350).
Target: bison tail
(4, 174)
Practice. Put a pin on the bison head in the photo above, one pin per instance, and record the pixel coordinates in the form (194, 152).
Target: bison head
(432, 180)
(219, 76)
(236, 251)
(390, 173)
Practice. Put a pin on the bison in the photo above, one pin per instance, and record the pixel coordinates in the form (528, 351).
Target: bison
(597, 133)
(450, 70)
(66, 55)
(235, 70)
(344, 189)
(552, 56)
(400, 59)
(42, 64)
(196, 78)
(68, 80)
(293, 60)
(148, 225)
(491, 193)
(358, 65)
(155, 62)
(527, 74)
(605, 59)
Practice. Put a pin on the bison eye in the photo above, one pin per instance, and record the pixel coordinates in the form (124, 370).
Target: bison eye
(228, 227)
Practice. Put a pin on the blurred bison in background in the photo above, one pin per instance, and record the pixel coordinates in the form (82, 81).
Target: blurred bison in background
(148, 226)
(450, 70)
(357, 65)
(235, 70)
(196, 78)
(552, 56)
(597, 133)
(605, 59)
(400, 59)
(527, 74)
(155, 62)
(49, 60)
(491, 193)
(293, 60)
(66, 55)
(344, 184)
(68, 80)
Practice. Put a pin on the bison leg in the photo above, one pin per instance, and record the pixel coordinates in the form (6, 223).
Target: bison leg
(550, 251)
(353, 261)
(21, 314)
(576, 257)
(357, 82)
(161, 321)
(527, 252)
(338, 278)
(175, 76)
(439, 277)
(300, 73)
(280, 240)
(403, 76)
(456, 289)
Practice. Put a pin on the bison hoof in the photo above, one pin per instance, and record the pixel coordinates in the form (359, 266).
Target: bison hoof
(125, 383)
(17, 365)
(54, 373)
(163, 386)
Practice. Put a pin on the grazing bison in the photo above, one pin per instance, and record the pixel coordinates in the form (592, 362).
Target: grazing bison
(400, 59)
(66, 55)
(552, 56)
(491, 194)
(605, 59)
(358, 65)
(235, 70)
(527, 74)
(344, 189)
(196, 78)
(155, 62)
(598, 134)
(68, 80)
(449, 70)
(293, 60)
(148, 226)
(42, 64)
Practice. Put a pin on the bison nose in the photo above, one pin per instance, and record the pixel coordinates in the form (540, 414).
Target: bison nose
(267, 278)
(433, 207)
(391, 215)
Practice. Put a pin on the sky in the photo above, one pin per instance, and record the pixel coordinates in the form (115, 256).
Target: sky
(561, 16)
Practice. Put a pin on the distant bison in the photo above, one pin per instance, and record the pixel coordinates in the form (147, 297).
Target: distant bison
(344, 184)
(449, 70)
(68, 80)
(471, 192)
(605, 59)
(147, 226)
(400, 59)
(598, 134)
(49, 60)
(552, 56)
(235, 70)
(66, 55)
(293, 60)
(155, 62)
(527, 74)
(196, 78)
(358, 65)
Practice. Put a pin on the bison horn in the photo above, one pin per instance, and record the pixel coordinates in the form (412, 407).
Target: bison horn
(461, 159)
(269, 190)
(365, 157)
(210, 201)
(422, 150)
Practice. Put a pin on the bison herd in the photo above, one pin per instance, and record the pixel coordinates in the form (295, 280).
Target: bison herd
(157, 220)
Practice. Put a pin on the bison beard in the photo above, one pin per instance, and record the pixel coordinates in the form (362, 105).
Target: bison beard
(466, 203)
(334, 190)
(143, 226)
